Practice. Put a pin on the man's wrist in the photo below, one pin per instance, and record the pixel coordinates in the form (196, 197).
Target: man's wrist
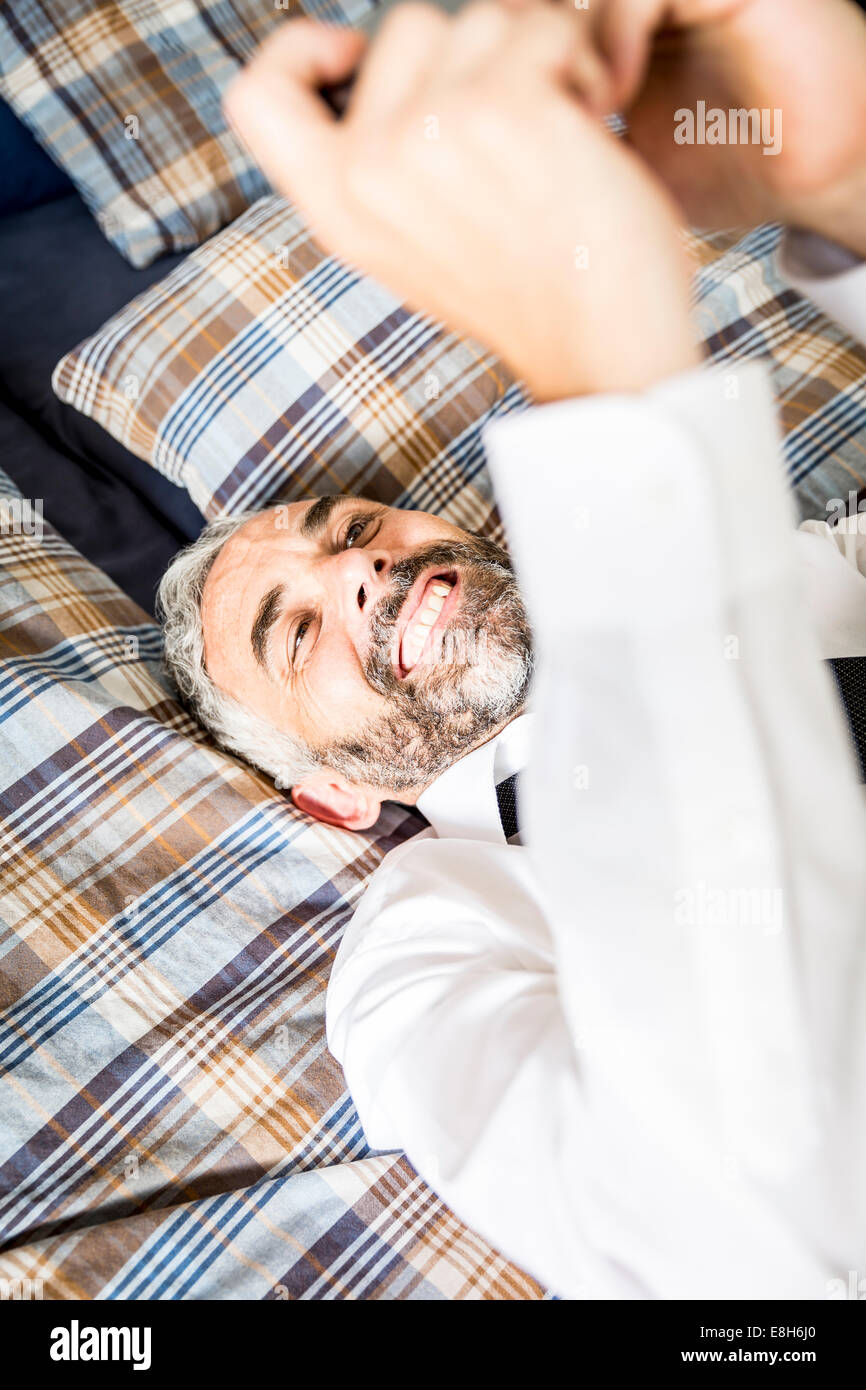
(838, 215)
(629, 375)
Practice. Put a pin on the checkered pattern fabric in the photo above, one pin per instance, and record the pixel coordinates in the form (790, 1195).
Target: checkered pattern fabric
(262, 368)
(174, 1125)
(125, 96)
(746, 309)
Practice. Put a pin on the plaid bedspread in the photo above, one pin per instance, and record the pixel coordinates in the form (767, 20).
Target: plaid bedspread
(173, 1125)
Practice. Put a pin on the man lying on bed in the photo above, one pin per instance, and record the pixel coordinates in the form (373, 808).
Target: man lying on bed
(632, 1051)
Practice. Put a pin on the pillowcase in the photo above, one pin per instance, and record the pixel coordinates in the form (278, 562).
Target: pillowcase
(125, 97)
(174, 1125)
(745, 308)
(264, 369)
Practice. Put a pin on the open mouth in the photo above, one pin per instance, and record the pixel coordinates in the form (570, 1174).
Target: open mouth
(426, 610)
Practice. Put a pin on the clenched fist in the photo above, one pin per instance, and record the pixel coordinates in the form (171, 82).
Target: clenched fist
(470, 177)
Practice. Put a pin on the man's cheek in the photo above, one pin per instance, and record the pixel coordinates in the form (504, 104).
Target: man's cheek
(345, 702)
(421, 529)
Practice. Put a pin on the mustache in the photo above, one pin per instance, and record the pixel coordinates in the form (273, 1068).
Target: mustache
(477, 682)
(446, 555)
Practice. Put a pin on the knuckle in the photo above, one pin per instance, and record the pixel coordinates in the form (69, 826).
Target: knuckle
(483, 115)
(409, 20)
(366, 172)
(485, 15)
(548, 24)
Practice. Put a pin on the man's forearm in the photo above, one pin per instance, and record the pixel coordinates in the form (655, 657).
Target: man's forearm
(693, 808)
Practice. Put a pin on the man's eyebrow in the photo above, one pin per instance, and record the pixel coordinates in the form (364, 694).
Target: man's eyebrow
(317, 515)
(315, 520)
(266, 615)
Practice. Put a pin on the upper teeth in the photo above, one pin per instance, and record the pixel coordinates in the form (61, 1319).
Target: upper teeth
(418, 630)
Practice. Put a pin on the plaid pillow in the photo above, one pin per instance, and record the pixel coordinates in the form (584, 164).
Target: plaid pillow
(173, 1123)
(745, 308)
(261, 368)
(264, 368)
(125, 97)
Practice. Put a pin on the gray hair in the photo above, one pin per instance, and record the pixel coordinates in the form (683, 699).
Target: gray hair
(282, 756)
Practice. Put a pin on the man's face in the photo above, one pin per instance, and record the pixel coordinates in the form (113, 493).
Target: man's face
(388, 641)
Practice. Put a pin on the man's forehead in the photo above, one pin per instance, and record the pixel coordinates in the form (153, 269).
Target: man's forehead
(279, 526)
(241, 565)
(277, 523)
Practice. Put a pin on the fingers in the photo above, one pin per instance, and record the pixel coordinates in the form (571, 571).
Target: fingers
(477, 30)
(556, 40)
(599, 50)
(624, 33)
(407, 48)
(626, 30)
(611, 41)
(273, 104)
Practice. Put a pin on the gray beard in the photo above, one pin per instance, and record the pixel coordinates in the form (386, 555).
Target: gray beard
(474, 679)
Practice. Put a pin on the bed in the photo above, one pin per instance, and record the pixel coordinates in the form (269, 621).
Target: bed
(174, 1126)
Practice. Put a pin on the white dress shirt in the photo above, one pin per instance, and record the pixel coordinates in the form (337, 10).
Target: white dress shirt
(462, 802)
(632, 1052)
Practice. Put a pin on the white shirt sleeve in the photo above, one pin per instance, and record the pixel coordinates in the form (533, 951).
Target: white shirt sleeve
(696, 822)
(669, 1097)
(443, 1011)
(832, 549)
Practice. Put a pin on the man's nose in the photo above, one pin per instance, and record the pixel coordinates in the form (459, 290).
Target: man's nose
(361, 577)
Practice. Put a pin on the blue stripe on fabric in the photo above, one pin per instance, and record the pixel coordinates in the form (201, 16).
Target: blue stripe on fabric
(840, 421)
(64, 985)
(153, 1085)
(65, 663)
(225, 376)
(385, 359)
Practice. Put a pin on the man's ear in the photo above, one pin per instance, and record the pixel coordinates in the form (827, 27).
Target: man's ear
(328, 798)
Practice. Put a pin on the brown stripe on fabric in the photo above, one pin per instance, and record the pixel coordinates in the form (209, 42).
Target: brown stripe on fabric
(65, 98)
(21, 969)
(35, 1262)
(724, 340)
(70, 764)
(415, 1206)
(310, 1267)
(54, 1137)
(476, 1266)
(98, 898)
(480, 1263)
(391, 1191)
(83, 594)
(336, 450)
(98, 1254)
(237, 54)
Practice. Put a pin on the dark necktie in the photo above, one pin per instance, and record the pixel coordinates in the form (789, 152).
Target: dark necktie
(850, 673)
(506, 800)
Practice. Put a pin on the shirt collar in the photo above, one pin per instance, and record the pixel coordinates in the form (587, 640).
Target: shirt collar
(462, 801)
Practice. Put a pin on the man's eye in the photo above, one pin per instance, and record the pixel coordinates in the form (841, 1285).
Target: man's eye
(300, 634)
(356, 529)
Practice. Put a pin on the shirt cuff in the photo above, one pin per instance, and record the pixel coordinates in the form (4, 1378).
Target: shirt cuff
(641, 509)
(830, 275)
